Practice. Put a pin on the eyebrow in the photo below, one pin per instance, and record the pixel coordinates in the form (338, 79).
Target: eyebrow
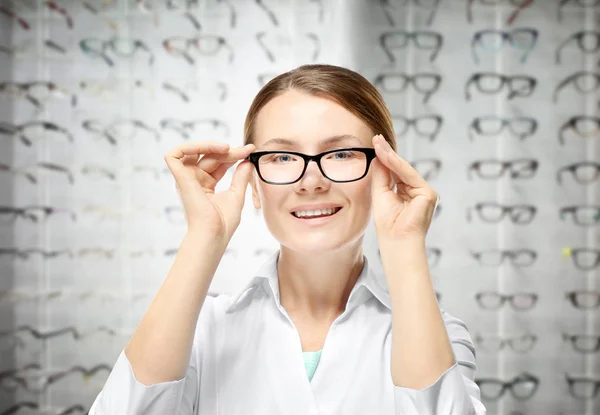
(327, 141)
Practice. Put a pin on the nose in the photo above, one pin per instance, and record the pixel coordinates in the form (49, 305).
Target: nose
(312, 180)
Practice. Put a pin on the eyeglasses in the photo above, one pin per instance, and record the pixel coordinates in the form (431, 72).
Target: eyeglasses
(495, 257)
(36, 92)
(285, 42)
(15, 171)
(521, 387)
(518, 4)
(494, 343)
(582, 215)
(493, 40)
(492, 125)
(287, 167)
(584, 172)
(583, 258)
(588, 41)
(583, 387)
(493, 212)
(204, 44)
(33, 213)
(424, 40)
(585, 82)
(95, 171)
(427, 126)
(109, 88)
(493, 300)
(122, 129)
(494, 169)
(583, 343)
(26, 253)
(155, 171)
(492, 83)
(577, 3)
(184, 90)
(102, 213)
(425, 83)
(424, 4)
(584, 300)
(57, 168)
(34, 131)
(185, 128)
(38, 383)
(121, 47)
(583, 125)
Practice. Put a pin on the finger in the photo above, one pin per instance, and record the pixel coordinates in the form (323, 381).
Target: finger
(211, 162)
(240, 180)
(197, 148)
(176, 156)
(220, 172)
(402, 168)
(189, 160)
(381, 179)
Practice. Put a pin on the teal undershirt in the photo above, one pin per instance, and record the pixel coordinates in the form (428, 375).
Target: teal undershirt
(311, 360)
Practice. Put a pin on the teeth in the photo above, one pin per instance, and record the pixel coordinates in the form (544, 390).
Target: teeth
(317, 212)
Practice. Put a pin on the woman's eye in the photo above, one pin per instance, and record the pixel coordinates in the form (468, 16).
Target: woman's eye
(343, 155)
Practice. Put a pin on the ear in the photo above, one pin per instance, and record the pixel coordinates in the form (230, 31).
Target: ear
(254, 183)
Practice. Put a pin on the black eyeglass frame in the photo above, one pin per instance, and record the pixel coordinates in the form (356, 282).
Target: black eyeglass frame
(368, 151)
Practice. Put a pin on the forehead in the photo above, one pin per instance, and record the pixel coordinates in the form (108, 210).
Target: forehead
(307, 120)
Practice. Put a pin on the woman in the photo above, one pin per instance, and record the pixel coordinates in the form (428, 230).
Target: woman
(376, 351)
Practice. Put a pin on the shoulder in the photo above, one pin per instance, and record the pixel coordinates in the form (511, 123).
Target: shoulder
(214, 309)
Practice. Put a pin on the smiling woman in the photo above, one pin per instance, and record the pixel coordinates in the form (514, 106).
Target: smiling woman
(314, 331)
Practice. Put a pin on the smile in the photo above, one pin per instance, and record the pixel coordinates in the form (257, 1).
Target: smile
(323, 214)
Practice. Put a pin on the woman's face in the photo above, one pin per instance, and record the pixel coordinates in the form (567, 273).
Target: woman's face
(307, 120)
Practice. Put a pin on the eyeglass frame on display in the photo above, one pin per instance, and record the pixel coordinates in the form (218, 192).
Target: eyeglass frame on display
(508, 37)
(383, 42)
(504, 123)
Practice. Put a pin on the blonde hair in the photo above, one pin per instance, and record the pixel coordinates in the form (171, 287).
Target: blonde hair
(347, 88)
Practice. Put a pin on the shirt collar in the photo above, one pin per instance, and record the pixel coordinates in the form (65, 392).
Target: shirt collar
(367, 285)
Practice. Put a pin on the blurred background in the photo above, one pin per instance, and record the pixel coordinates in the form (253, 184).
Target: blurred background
(495, 102)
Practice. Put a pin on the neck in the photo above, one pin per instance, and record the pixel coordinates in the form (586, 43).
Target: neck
(316, 285)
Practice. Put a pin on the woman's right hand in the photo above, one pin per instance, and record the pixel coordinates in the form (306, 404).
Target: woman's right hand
(197, 168)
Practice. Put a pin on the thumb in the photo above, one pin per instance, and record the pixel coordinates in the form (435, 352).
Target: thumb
(381, 176)
(240, 179)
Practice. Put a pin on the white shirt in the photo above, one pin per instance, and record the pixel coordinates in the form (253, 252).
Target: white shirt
(247, 359)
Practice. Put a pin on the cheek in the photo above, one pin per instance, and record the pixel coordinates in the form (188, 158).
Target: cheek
(272, 197)
(360, 196)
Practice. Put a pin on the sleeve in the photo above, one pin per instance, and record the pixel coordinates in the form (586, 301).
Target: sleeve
(455, 391)
(123, 394)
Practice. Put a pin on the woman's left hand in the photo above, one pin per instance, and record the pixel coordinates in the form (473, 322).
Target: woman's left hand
(403, 202)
